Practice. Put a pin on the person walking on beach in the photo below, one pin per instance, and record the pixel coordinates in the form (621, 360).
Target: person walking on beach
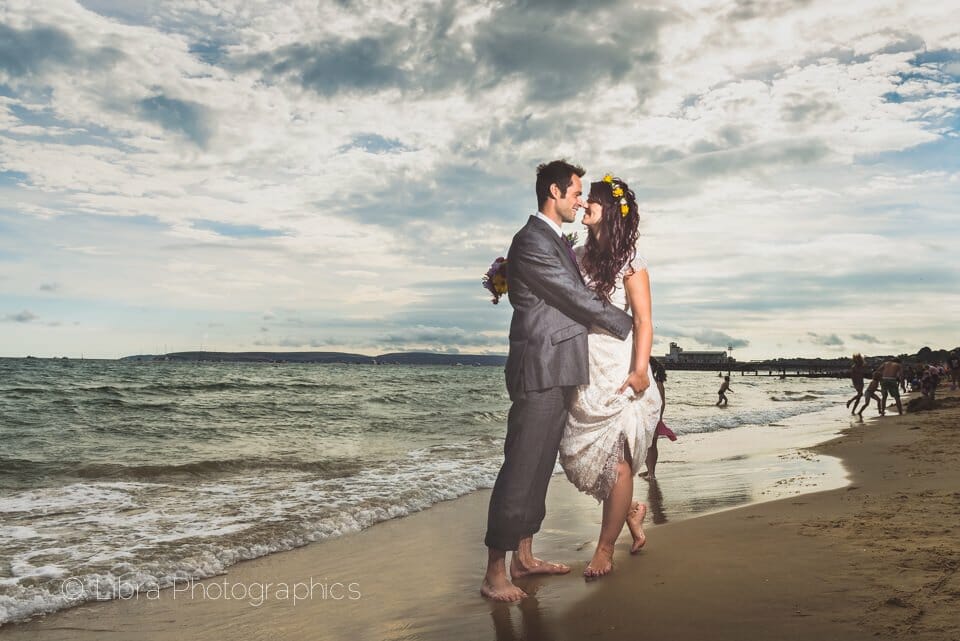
(891, 371)
(722, 392)
(871, 395)
(613, 417)
(954, 364)
(857, 373)
(653, 453)
(552, 308)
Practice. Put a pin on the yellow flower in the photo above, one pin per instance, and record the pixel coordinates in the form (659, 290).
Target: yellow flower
(608, 178)
(617, 192)
(624, 210)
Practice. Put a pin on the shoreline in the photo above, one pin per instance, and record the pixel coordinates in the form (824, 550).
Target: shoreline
(822, 563)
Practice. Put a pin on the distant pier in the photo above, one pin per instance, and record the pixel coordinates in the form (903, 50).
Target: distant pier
(751, 369)
(747, 370)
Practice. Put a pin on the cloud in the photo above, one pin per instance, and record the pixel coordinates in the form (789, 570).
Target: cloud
(865, 338)
(434, 50)
(827, 340)
(357, 165)
(25, 316)
(709, 337)
(191, 119)
(24, 52)
(374, 144)
(555, 68)
(557, 61)
(295, 342)
(763, 156)
(801, 108)
(236, 231)
(49, 287)
(752, 9)
(552, 7)
(332, 66)
(714, 338)
(421, 334)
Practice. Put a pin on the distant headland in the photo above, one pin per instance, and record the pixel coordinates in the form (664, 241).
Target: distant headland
(399, 358)
(678, 359)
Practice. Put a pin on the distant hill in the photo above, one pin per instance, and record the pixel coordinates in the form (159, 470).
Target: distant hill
(924, 355)
(258, 357)
(399, 358)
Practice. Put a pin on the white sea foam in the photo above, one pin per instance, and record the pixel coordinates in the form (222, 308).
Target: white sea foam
(127, 532)
(18, 532)
(724, 419)
(66, 498)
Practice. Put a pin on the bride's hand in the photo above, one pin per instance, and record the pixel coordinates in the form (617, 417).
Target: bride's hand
(637, 381)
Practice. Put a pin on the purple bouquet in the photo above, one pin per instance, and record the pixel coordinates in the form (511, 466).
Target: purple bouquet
(495, 280)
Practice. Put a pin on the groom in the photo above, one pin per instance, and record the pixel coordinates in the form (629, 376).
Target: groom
(552, 308)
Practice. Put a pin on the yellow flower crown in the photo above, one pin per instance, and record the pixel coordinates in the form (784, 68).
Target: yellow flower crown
(618, 193)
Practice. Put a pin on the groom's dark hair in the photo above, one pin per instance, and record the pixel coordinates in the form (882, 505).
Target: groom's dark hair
(558, 172)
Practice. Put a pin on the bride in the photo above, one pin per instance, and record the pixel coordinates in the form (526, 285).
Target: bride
(611, 422)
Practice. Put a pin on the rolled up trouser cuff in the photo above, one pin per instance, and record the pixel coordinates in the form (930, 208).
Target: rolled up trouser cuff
(509, 540)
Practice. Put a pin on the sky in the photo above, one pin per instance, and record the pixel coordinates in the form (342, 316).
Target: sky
(337, 175)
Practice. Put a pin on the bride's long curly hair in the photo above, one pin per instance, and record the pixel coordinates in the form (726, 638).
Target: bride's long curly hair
(603, 263)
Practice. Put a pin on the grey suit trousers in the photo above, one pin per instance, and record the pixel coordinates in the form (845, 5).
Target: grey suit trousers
(534, 429)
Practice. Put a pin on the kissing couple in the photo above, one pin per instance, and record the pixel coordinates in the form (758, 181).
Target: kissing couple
(578, 373)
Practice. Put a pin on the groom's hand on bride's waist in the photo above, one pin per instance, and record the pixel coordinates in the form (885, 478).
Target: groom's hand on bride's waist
(637, 381)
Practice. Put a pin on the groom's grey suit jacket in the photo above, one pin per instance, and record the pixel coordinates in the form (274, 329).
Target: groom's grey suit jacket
(552, 309)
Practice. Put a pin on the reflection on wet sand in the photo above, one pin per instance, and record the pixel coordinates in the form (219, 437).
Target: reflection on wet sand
(732, 497)
(687, 503)
(655, 502)
(532, 625)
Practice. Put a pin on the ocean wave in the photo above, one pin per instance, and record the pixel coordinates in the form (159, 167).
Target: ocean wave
(488, 416)
(25, 390)
(393, 399)
(198, 536)
(327, 468)
(725, 420)
(804, 397)
(103, 389)
(125, 391)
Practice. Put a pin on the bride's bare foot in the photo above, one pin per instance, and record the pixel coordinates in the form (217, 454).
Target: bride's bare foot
(601, 563)
(635, 522)
(499, 588)
(533, 565)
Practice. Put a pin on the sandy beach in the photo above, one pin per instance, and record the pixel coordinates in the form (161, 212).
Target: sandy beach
(877, 558)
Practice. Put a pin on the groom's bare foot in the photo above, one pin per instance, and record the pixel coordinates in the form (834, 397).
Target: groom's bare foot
(499, 588)
(601, 563)
(635, 522)
(523, 563)
(533, 566)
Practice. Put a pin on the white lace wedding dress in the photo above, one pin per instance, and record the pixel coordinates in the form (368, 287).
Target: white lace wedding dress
(601, 422)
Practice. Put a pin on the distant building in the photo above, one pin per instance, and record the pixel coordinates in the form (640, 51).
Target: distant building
(678, 356)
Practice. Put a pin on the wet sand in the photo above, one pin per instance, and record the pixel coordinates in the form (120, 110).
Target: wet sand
(877, 558)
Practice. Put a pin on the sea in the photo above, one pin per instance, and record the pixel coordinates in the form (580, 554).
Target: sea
(117, 476)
